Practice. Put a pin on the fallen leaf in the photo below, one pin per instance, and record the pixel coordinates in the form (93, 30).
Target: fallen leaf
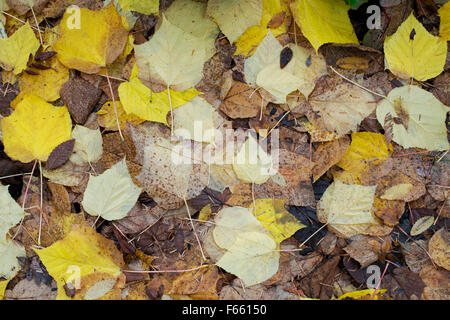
(139, 100)
(60, 155)
(367, 294)
(242, 101)
(83, 252)
(144, 7)
(328, 154)
(11, 213)
(15, 50)
(439, 248)
(322, 21)
(169, 174)
(275, 218)
(423, 129)
(347, 209)
(47, 83)
(252, 164)
(421, 58)
(362, 251)
(34, 129)
(444, 27)
(199, 284)
(235, 16)
(339, 110)
(9, 251)
(422, 225)
(97, 42)
(107, 116)
(172, 58)
(112, 194)
(88, 145)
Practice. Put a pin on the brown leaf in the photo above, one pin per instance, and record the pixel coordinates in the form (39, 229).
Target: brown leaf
(80, 98)
(276, 20)
(242, 101)
(60, 196)
(362, 251)
(328, 154)
(439, 248)
(60, 155)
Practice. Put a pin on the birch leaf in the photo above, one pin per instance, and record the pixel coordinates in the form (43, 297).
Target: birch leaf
(235, 16)
(172, 58)
(9, 265)
(83, 252)
(323, 21)
(412, 52)
(418, 126)
(15, 50)
(34, 129)
(99, 40)
(275, 218)
(252, 164)
(11, 213)
(347, 209)
(88, 145)
(139, 100)
(112, 194)
(145, 7)
(444, 27)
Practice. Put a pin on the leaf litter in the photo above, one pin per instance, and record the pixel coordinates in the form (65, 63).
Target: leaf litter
(263, 149)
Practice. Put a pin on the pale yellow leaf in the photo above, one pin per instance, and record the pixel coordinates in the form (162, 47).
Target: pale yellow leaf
(112, 194)
(9, 265)
(11, 213)
(88, 145)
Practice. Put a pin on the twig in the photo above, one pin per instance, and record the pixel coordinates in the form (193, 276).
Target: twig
(302, 244)
(114, 103)
(37, 25)
(379, 281)
(193, 227)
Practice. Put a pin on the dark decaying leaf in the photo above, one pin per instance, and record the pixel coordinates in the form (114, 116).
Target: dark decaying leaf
(285, 57)
(179, 240)
(60, 155)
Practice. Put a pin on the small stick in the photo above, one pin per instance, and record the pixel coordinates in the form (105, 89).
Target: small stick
(114, 103)
(167, 271)
(37, 25)
(193, 227)
(379, 281)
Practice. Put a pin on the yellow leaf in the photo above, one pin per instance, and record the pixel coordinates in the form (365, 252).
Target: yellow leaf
(97, 41)
(10, 214)
(252, 164)
(275, 218)
(421, 225)
(107, 116)
(412, 52)
(324, 21)
(112, 194)
(439, 247)
(347, 209)
(250, 253)
(205, 213)
(145, 7)
(367, 149)
(364, 295)
(444, 27)
(15, 50)
(3, 285)
(235, 16)
(47, 83)
(173, 58)
(397, 192)
(417, 126)
(34, 129)
(252, 37)
(81, 253)
(139, 100)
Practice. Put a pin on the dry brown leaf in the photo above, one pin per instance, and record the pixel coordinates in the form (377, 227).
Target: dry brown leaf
(242, 101)
(362, 251)
(439, 248)
(327, 155)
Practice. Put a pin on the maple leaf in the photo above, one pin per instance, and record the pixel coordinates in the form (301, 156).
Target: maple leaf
(34, 129)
